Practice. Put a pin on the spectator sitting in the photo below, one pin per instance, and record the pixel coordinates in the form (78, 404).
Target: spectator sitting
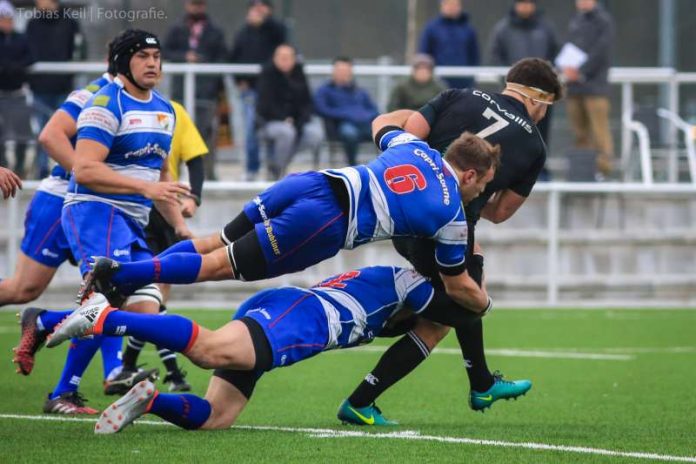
(53, 36)
(347, 107)
(196, 39)
(420, 87)
(254, 43)
(15, 57)
(284, 110)
(451, 41)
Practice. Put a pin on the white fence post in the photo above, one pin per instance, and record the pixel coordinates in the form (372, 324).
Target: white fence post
(553, 255)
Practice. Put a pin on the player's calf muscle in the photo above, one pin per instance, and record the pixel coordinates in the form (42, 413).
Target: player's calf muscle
(216, 266)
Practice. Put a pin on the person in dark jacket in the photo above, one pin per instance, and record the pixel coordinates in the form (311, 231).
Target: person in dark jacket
(53, 36)
(591, 30)
(196, 39)
(255, 43)
(420, 87)
(15, 57)
(284, 110)
(346, 107)
(451, 41)
(525, 33)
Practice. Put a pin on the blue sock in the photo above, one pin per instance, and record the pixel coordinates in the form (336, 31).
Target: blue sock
(80, 354)
(111, 354)
(48, 320)
(185, 246)
(176, 268)
(186, 411)
(166, 331)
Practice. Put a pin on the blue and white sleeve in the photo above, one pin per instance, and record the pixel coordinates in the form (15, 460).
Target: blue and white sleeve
(452, 241)
(391, 136)
(75, 102)
(99, 121)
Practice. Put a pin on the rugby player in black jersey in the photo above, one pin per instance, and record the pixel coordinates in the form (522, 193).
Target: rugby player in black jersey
(507, 119)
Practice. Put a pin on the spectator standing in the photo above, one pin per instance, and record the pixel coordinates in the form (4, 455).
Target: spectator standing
(285, 109)
(15, 57)
(255, 43)
(196, 39)
(347, 109)
(53, 36)
(525, 33)
(451, 41)
(420, 87)
(591, 30)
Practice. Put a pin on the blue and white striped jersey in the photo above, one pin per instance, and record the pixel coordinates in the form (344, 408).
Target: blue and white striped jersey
(359, 303)
(409, 190)
(57, 182)
(138, 135)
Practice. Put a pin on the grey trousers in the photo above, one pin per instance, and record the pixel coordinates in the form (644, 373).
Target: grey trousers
(284, 143)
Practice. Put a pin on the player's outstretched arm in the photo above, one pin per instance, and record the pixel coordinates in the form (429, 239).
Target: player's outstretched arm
(465, 292)
(55, 139)
(91, 171)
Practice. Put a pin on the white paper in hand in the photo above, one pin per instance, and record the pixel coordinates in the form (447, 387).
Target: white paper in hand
(570, 56)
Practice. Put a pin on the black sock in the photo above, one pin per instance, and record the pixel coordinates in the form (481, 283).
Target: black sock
(130, 356)
(471, 342)
(395, 364)
(167, 356)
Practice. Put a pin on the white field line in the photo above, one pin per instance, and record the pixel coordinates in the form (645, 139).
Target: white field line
(515, 353)
(409, 435)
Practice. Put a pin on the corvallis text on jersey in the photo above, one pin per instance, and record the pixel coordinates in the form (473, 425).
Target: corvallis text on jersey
(518, 119)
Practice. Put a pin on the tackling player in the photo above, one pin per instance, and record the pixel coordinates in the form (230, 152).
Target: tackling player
(274, 328)
(410, 190)
(507, 119)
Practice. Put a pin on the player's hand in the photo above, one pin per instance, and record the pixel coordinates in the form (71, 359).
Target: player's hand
(9, 183)
(188, 207)
(166, 191)
(183, 232)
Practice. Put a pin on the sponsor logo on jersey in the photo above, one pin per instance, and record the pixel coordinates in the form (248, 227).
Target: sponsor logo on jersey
(148, 149)
(511, 116)
(438, 174)
(134, 121)
(48, 253)
(93, 88)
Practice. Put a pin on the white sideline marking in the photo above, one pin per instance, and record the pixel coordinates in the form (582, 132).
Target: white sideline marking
(401, 435)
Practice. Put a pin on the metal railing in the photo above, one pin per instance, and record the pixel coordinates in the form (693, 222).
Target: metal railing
(553, 237)
(626, 77)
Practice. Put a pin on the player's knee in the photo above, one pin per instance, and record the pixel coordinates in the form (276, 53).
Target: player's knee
(26, 292)
(145, 298)
(431, 333)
